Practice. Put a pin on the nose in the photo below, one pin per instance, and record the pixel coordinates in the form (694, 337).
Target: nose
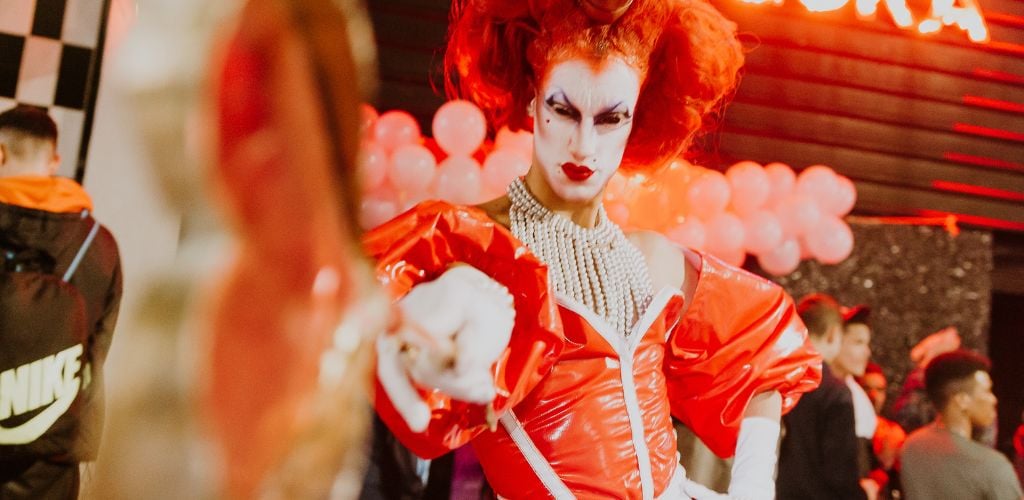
(584, 143)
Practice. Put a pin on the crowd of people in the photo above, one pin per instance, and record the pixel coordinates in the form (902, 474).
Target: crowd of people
(533, 348)
(834, 449)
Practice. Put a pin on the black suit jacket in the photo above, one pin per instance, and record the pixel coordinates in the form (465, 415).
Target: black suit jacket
(818, 454)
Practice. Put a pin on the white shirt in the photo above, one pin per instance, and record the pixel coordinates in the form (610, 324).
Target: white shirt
(864, 417)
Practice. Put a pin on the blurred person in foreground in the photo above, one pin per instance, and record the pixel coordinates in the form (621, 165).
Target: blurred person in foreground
(940, 460)
(818, 453)
(60, 290)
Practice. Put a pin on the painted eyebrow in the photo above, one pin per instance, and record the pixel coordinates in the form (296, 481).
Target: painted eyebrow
(563, 98)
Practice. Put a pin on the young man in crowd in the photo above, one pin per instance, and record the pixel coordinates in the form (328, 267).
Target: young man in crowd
(60, 288)
(818, 453)
(940, 460)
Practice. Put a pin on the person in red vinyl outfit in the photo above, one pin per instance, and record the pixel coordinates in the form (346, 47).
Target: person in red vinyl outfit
(532, 326)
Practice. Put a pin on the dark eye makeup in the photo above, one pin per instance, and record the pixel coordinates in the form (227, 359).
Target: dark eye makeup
(613, 116)
(562, 107)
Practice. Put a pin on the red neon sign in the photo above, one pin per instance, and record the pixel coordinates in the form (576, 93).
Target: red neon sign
(966, 16)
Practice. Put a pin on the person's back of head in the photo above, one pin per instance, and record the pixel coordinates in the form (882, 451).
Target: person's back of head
(959, 385)
(28, 142)
(823, 317)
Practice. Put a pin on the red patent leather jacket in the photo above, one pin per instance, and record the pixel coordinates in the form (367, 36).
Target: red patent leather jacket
(584, 411)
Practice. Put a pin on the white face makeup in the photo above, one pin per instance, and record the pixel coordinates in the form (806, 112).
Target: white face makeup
(583, 116)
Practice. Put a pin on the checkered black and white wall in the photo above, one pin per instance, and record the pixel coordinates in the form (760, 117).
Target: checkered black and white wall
(50, 54)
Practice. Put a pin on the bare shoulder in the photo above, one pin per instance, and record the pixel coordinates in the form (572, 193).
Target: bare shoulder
(665, 261)
(497, 209)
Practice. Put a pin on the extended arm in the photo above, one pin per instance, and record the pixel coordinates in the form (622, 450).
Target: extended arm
(452, 349)
(753, 469)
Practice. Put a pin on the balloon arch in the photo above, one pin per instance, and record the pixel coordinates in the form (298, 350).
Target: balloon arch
(768, 211)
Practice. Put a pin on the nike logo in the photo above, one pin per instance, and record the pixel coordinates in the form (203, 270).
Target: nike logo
(53, 380)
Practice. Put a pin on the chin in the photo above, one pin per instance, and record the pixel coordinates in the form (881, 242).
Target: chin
(578, 194)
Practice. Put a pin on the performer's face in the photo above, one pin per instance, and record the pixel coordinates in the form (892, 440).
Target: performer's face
(583, 115)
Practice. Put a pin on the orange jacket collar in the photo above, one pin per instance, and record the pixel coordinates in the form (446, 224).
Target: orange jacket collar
(51, 194)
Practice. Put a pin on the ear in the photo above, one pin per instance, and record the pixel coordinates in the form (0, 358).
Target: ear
(54, 165)
(834, 334)
(962, 400)
(530, 107)
(3, 154)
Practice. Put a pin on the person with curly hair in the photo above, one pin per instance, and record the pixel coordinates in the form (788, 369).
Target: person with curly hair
(532, 326)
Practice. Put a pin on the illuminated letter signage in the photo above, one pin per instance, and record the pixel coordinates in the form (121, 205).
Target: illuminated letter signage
(965, 16)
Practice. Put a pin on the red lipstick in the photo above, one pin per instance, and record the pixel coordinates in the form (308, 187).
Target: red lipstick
(577, 173)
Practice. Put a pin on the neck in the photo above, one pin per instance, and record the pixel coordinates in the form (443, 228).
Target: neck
(18, 170)
(582, 213)
(954, 422)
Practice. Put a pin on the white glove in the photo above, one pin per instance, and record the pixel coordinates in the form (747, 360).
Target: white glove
(697, 491)
(453, 330)
(753, 469)
(681, 487)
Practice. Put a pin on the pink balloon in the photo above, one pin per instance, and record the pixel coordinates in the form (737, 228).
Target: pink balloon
(782, 179)
(373, 165)
(797, 213)
(689, 234)
(750, 186)
(367, 118)
(459, 127)
(781, 260)
(734, 258)
(376, 211)
(458, 180)
(409, 201)
(830, 241)
(818, 182)
(412, 168)
(725, 233)
(763, 231)
(708, 194)
(618, 213)
(616, 188)
(502, 167)
(521, 142)
(843, 201)
(805, 253)
(396, 128)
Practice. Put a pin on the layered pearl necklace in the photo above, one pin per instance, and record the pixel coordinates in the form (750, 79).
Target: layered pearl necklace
(597, 267)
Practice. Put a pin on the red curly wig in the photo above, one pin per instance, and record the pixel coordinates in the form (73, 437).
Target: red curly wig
(499, 51)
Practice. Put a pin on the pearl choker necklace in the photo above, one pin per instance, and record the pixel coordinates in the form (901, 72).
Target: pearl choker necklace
(597, 267)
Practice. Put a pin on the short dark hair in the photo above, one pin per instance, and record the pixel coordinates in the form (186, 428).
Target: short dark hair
(951, 373)
(857, 314)
(820, 312)
(25, 130)
(29, 120)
